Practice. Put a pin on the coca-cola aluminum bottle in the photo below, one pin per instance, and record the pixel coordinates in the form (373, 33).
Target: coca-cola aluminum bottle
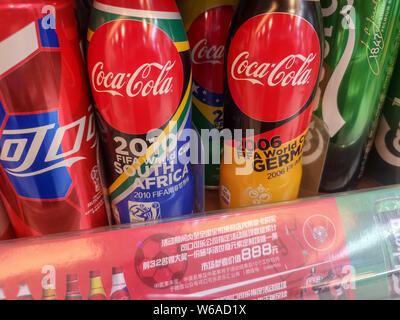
(49, 180)
(273, 61)
(207, 24)
(140, 73)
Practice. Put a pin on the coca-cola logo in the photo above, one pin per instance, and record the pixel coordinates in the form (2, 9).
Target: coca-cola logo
(133, 84)
(207, 36)
(136, 75)
(264, 73)
(203, 53)
(273, 66)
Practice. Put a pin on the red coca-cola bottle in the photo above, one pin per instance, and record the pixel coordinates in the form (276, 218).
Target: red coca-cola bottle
(273, 61)
(140, 74)
(207, 24)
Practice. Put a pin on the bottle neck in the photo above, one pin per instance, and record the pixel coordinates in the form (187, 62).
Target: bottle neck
(118, 282)
(49, 294)
(73, 287)
(23, 291)
(96, 286)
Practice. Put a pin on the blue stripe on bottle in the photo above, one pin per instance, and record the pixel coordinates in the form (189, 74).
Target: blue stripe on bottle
(208, 97)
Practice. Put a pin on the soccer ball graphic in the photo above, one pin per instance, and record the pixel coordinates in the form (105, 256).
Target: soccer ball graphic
(159, 267)
(319, 232)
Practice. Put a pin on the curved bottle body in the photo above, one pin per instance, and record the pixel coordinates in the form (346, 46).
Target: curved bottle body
(273, 62)
(140, 74)
(362, 40)
(207, 24)
(384, 161)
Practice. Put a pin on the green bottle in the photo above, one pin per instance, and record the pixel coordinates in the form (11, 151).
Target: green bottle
(384, 161)
(362, 42)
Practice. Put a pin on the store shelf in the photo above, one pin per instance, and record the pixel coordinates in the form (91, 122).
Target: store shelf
(347, 250)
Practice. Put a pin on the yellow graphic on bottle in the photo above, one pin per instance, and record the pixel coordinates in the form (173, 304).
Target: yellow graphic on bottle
(259, 177)
(96, 287)
(212, 113)
(49, 294)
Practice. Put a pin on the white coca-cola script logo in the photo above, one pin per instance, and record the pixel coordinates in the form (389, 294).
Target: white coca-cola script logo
(136, 83)
(202, 53)
(273, 79)
(285, 73)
